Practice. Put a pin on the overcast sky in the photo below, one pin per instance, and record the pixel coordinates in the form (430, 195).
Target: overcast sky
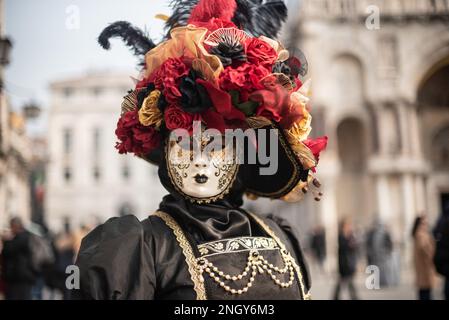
(48, 45)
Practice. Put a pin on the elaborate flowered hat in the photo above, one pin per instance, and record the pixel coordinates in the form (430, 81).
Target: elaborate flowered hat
(220, 64)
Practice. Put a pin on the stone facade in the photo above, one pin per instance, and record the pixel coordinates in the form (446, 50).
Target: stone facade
(380, 92)
(14, 157)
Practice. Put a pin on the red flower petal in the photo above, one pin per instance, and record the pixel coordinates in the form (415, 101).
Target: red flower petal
(214, 120)
(134, 137)
(222, 101)
(316, 145)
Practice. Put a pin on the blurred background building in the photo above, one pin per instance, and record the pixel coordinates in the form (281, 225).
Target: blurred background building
(380, 92)
(380, 74)
(88, 181)
(14, 147)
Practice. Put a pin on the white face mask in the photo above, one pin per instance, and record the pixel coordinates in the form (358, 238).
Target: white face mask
(201, 176)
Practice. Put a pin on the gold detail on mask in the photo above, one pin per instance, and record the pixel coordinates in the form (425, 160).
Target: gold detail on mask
(177, 175)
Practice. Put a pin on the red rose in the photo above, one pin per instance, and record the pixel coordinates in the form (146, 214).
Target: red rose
(214, 120)
(246, 78)
(260, 52)
(273, 100)
(134, 137)
(316, 146)
(221, 101)
(167, 77)
(176, 118)
(145, 82)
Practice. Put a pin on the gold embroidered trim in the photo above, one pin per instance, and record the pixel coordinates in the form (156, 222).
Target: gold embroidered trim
(237, 245)
(187, 250)
(306, 296)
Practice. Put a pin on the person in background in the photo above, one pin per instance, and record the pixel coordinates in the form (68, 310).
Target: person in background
(79, 236)
(65, 247)
(318, 246)
(2, 270)
(347, 259)
(379, 249)
(423, 251)
(441, 258)
(19, 274)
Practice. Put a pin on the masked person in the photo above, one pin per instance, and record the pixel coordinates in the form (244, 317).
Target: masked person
(220, 69)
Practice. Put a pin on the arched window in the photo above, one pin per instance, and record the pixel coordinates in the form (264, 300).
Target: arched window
(351, 145)
(433, 91)
(346, 78)
(440, 150)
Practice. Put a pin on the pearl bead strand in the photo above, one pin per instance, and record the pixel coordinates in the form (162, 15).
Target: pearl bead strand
(256, 264)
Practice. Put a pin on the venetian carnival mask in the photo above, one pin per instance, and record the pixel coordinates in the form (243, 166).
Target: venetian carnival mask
(203, 169)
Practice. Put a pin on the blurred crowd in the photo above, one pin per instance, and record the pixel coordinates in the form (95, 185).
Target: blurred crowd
(430, 251)
(33, 261)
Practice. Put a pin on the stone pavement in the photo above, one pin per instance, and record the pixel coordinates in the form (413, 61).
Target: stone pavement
(323, 287)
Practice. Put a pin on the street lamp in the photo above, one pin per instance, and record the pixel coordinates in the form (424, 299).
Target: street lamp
(5, 51)
(31, 111)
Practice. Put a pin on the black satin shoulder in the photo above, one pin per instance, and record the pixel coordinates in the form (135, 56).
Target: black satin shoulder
(116, 262)
(125, 259)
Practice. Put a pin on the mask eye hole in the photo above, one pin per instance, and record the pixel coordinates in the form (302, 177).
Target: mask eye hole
(184, 143)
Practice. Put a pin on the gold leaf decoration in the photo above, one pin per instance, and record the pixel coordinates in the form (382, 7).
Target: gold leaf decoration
(300, 130)
(185, 42)
(227, 35)
(297, 193)
(283, 55)
(302, 152)
(258, 122)
(284, 81)
(130, 102)
(162, 17)
(149, 114)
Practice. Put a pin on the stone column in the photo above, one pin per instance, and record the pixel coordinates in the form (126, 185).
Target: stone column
(329, 217)
(408, 216)
(414, 132)
(329, 172)
(383, 197)
(405, 133)
(420, 195)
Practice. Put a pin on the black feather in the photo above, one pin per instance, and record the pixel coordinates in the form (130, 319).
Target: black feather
(133, 37)
(244, 13)
(181, 13)
(257, 17)
(265, 18)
